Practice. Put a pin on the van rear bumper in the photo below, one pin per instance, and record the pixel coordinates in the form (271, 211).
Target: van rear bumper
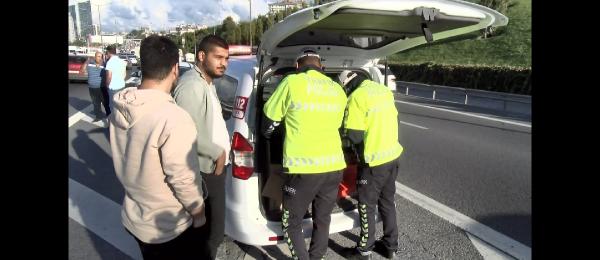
(249, 231)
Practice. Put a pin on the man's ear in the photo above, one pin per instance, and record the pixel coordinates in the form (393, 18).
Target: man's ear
(201, 56)
(175, 70)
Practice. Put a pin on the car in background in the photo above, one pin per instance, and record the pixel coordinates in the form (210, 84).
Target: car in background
(391, 78)
(76, 63)
(131, 58)
(126, 59)
(135, 78)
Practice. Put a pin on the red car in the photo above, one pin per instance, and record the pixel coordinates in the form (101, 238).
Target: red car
(75, 68)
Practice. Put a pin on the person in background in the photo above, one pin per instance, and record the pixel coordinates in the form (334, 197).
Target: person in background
(115, 73)
(94, 70)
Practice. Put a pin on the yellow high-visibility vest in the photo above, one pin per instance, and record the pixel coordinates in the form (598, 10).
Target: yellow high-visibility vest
(312, 106)
(371, 108)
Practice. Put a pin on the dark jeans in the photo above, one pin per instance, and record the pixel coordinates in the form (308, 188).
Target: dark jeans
(184, 246)
(299, 190)
(377, 186)
(98, 98)
(106, 103)
(214, 229)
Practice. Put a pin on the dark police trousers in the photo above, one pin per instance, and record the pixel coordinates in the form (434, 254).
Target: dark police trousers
(299, 190)
(376, 186)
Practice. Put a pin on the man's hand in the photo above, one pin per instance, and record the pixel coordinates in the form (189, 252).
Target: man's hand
(199, 219)
(220, 163)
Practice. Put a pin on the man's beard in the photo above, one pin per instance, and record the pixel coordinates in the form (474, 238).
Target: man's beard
(213, 73)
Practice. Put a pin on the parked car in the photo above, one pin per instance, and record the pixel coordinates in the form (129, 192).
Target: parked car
(353, 35)
(135, 78)
(391, 78)
(132, 59)
(76, 63)
(124, 57)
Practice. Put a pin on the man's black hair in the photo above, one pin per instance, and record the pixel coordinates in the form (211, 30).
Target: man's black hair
(111, 49)
(209, 42)
(158, 54)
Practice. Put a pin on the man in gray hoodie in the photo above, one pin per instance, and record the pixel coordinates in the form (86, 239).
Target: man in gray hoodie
(153, 143)
(196, 94)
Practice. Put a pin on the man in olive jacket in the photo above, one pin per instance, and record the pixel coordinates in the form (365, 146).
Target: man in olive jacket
(196, 94)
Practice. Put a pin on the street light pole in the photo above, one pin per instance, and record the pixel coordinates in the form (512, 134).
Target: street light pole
(250, 24)
(100, 27)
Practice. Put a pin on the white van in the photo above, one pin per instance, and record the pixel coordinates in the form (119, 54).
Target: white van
(351, 34)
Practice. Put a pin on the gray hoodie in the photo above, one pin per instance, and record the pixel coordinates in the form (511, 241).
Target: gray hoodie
(153, 143)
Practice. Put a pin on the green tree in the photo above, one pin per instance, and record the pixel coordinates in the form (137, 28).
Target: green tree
(190, 42)
(258, 30)
(238, 35)
(498, 5)
(201, 34)
(228, 31)
(245, 33)
(79, 43)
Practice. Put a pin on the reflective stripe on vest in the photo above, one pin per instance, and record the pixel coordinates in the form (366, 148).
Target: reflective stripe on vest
(383, 154)
(299, 106)
(312, 161)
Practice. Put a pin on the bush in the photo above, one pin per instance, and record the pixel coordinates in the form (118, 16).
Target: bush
(516, 80)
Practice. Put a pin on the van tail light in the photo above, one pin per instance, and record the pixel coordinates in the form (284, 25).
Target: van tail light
(243, 157)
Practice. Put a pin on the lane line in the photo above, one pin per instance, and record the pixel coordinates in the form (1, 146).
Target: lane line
(84, 115)
(79, 115)
(487, 251)
(483, 232)
(413, 125)
(102, 216)
(467, 114)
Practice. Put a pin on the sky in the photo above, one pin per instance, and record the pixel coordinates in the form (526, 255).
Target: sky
(126, 15)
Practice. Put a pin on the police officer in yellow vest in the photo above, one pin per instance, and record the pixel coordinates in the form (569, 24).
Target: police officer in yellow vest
(371, 123)
(312, 108)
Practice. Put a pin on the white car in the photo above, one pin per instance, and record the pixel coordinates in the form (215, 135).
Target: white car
(135, 78)
(132, 59)
(351, 34)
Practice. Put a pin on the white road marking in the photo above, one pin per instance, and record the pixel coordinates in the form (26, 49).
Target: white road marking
(487, 251)
(101, 216)
(79, 115)
(490, 236)
(467, 114)
(413, 125)
(83, 115)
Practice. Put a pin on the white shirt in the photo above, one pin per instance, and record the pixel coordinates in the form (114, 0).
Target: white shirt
(220, 135)
(117, 67)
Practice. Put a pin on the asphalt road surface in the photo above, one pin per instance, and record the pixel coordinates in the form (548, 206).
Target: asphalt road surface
(463, 190)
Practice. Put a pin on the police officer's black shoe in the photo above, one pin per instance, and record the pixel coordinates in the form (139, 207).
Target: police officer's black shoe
(355, 254)
(392, 254)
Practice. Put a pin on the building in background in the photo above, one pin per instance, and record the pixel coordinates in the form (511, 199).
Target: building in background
(285, 5)
(187, 28)
(85, 18)
(72, 30)
(73, 12)
(107, 39)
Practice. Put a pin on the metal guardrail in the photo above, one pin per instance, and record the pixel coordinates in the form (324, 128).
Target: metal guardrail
(479, 98)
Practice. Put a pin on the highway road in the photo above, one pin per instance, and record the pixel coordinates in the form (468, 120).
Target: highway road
(463, 190)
